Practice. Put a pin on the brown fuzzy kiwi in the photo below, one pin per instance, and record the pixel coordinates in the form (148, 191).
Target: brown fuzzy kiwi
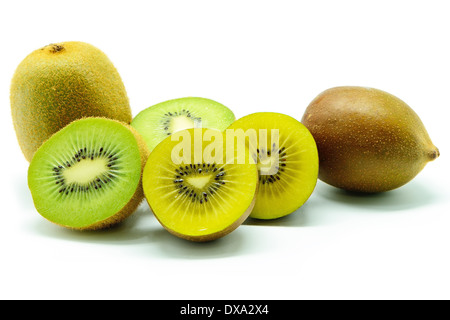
(60, 83)
(368, 139)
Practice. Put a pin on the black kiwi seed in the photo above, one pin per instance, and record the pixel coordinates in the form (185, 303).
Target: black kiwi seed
(194, 170)
(82, 154)
(165, 121)
(281, 168)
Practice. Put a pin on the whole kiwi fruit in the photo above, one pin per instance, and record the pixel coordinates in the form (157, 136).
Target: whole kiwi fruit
(60, 83)
(368, 140)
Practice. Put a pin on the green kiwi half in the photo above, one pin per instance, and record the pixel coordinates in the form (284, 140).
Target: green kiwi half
(163, 119)
(88, 174)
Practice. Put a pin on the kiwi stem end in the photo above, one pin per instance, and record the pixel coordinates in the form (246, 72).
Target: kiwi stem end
(433, 154)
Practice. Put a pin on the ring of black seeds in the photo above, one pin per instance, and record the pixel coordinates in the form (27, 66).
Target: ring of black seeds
(281, 161)
(165, 122)
(194, 169)
(96, 183)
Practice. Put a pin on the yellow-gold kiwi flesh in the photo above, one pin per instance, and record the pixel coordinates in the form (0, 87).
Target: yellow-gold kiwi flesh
(287, 160)
(207, 192)
(60, 83)
(368, 140)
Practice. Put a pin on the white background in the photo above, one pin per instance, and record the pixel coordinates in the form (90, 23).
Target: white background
(251, 56)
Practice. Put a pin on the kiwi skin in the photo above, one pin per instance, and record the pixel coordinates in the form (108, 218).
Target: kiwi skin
(137, 198)
(368, 140)
(62, 82)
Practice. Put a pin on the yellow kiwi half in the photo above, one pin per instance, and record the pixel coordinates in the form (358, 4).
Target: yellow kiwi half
(287, 160)
(197, 191)
(60, 83)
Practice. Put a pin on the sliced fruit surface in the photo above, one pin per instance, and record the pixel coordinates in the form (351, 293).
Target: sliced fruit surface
(196, 191)
(163, 119)
(287, 159)
(86, 173)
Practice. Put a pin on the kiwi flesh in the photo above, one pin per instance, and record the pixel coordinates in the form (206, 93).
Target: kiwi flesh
(287, 162)
(87, 176)
(60, 83)
(163, 119)
(203, 196)
(368, 140)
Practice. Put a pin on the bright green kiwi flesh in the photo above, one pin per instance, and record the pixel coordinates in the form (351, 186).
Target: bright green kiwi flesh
(88, 175)
(163, 119)
(206, 194)
(288, 165)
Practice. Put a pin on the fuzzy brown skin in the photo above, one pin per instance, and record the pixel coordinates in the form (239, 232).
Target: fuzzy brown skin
(60, 83)
(368, 140)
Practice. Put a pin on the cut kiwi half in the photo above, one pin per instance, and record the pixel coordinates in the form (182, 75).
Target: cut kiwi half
(205, 193)
(287, 160)
(163, 119)
(87, 176)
